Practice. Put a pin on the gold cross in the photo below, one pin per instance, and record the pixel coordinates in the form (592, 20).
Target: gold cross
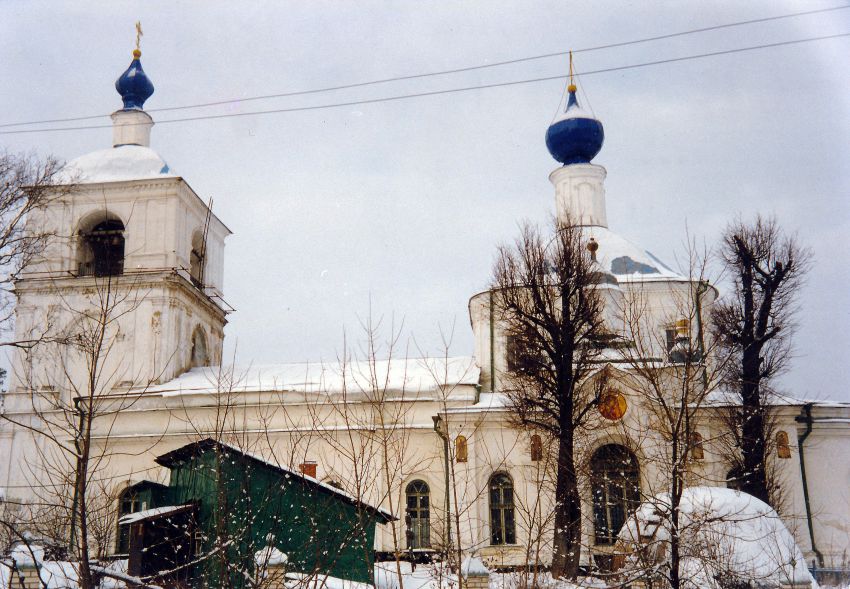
(139, 34)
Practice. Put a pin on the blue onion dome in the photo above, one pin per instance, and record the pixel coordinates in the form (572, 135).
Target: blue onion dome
(134, 86)
(575, 137)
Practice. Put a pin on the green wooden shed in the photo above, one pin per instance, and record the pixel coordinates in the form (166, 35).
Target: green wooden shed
(223, 507)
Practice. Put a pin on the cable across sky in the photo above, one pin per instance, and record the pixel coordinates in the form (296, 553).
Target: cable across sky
(449, 71)
(448, 90)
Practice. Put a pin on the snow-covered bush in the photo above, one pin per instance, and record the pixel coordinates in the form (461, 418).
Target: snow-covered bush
(30, 557)
(729, 540)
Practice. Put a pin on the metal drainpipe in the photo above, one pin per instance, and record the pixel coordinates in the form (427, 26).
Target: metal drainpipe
(492, 344)
(437, 420)
(800, 440)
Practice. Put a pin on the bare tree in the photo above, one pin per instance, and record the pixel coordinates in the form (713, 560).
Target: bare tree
(464, 485)
(27, 184)
(755, 323)
(534, 515)
(69, 409)
(544, 296)
(674, 390)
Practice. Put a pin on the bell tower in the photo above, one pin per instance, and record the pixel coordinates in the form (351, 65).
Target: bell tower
(136, 260)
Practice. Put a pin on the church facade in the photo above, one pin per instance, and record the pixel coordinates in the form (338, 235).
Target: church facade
(125, 313)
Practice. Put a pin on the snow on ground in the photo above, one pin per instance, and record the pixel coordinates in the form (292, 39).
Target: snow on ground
(63, 575)
(115, 575)
(435, 576)
(302, 581)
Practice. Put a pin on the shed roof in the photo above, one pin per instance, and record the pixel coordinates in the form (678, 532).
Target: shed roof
(195, 449)
(156, 513)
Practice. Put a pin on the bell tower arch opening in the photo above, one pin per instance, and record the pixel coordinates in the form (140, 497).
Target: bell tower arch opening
(197, 259)
(100, 250)
(199, 356)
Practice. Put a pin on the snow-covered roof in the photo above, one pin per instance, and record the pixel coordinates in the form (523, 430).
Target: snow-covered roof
(116, 164)
(487, 402)
(414, 375)
(626, 260)
(722, 397)
(153, 512)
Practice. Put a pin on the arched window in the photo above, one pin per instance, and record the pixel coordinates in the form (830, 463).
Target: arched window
(783, 448)
(128, 502)
(697, 452)
(197, 259)
(200, 357)
(536, 448)
(502, 526)
(418, 516)
(616, 490)
(102, 249)
(734, 478)
(461, 450)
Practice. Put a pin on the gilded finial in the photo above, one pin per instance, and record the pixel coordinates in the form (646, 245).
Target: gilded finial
(572, 86)
(592, 247)
(137, 52)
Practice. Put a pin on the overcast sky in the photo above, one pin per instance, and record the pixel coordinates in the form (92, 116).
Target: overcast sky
(403, 203)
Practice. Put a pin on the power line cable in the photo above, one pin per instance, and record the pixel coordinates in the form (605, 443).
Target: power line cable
(445, 91)
(446, 72)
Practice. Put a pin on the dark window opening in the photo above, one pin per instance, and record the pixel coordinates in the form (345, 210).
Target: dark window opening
(103, 250)
(735, 479)
(523, 354)
(670, 338)
(616, 490)
(128, 503)
(682, 348)
(502, 525)
(418, 515)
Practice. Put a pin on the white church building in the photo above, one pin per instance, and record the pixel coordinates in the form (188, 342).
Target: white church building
(125, 314)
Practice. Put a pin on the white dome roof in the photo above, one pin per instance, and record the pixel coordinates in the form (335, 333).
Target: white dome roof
(126, 162)
(626, 260)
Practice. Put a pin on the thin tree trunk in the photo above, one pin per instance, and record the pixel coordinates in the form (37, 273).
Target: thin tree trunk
(675, 501)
